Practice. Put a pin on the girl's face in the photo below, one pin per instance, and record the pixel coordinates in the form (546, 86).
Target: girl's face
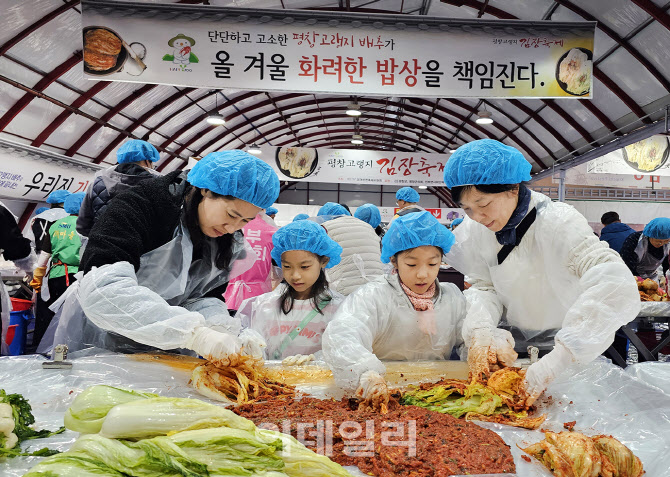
(491, 210)
(301, 270)
(218, 216)
(418, 267)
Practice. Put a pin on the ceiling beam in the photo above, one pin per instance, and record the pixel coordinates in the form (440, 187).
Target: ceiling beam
(23, 34)
(655, 11)
(132, 97)
(41, 85)
(142, 119)
(62, 117)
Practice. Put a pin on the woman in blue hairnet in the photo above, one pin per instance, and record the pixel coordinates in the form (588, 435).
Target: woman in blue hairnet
(293, 316)
(534, 264)
(644, 252)
(406, 315)
(157, 260)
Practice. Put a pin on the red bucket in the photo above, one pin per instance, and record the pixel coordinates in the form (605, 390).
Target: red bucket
(21, 305)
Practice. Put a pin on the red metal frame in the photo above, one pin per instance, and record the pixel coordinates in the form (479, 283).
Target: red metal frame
(40, 86)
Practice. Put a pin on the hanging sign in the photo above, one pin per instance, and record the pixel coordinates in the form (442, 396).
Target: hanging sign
(355, 166)
(344, 53)
(28, 176)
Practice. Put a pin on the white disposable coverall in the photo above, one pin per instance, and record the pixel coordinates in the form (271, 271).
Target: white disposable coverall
(560, 277)
(263, 314)
(378, 322)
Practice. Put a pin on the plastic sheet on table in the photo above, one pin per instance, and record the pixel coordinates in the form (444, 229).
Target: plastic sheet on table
(602, 398)
(655, 308)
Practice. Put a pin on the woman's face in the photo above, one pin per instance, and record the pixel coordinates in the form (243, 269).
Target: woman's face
(658, 243)
(301, 270)
(418, 267)
(218, 216)
(491, 210)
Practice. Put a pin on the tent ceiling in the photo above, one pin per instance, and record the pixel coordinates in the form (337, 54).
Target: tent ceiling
(45, 102)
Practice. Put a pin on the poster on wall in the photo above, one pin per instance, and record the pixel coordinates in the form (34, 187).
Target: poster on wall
(355, 166)
(325, 52)
(646, 157)
(26, 176)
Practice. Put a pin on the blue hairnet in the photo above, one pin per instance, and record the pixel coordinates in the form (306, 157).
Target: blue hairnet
(58, 196)
(73, 202)
(271, 211)
(486, 161)
(136, 151)
(332, 208)
(40, 210)
(305, 235)
(658, 228)
(415, 230)
(239, 174)
(300, 217)
(369, 213)
(456, 222)
(408, 195)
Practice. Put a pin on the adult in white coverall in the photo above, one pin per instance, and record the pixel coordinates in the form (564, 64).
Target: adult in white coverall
(157, 259)
(534, 262)
(293, 317)
(406, 315)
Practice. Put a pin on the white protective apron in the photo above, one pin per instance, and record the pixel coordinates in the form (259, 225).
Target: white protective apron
(534, 311)
(168, 271)
(647, 264)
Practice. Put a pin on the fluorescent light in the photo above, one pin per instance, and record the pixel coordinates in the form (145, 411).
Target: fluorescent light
(423, 187)
(254, 149)
(484, 117)
(353, 109)
(357, 139)
(216, 120)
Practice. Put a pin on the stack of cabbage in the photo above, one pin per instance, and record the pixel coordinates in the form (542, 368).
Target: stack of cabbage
(130, 433)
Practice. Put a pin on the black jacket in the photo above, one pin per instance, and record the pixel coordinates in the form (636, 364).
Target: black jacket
(105, 187)
(137, 221)
(14, 245)
(630, 257)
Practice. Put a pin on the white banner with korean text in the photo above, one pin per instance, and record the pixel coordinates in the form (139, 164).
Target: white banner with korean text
(355, 166)
(29, 177)
(325, 52)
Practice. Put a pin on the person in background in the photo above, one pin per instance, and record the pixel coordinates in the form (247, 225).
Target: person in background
(407, 200)
(43, 219)
(271, 212)
(258, 279)
(300, 217)
(361, 255)
(456, 223)
(535, 262)
(614, 232)
(331, 209)
(292, 318)
(370, 214)
(135, 160)
(60, 252)
(407, 315)
(159, 257)
(18, 249)
(644, 252)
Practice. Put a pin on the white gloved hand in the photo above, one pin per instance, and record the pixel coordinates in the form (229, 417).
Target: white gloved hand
(297, 359)
(252, 343)
(540, 374)
(504, 346)
(213, 345)
(373, 390)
